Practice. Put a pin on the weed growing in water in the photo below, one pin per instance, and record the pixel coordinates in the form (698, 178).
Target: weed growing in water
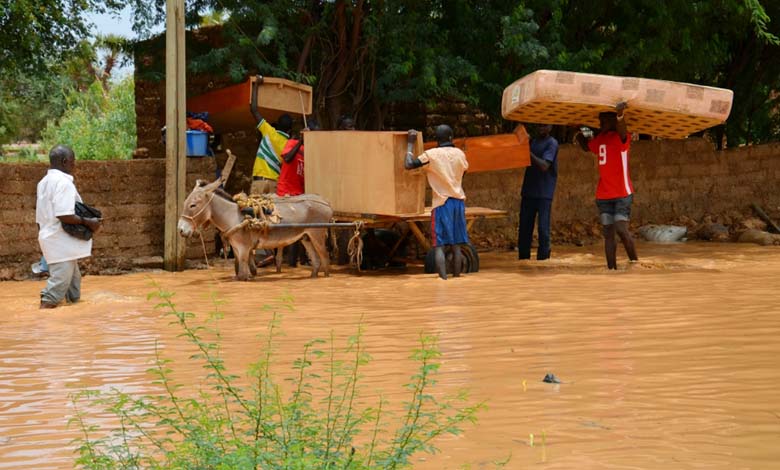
(322, 423)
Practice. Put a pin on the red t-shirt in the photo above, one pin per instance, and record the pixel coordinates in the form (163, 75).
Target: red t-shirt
(291, 179)
(614, 180)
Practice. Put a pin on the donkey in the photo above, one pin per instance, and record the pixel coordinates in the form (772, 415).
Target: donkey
(207, 203)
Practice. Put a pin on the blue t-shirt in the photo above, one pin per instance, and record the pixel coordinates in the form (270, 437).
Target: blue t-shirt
(537, 183)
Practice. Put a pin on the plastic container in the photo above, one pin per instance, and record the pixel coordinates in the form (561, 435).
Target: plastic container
(197, 144)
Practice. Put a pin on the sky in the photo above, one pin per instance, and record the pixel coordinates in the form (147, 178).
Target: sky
(109, 24)
(120, 24)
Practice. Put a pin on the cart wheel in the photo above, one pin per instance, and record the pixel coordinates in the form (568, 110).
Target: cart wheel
(470, 260)
(376, 245)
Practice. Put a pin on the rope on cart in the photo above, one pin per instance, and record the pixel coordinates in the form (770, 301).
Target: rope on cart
(355, 246)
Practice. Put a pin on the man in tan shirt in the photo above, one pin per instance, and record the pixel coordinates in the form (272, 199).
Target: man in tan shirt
(444, 166)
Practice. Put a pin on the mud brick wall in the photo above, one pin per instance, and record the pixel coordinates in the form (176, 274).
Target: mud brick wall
(150, 117)
(681, 182)
(131, 195)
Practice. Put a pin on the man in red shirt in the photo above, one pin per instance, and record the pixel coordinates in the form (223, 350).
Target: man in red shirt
(292, 181)
(615, 193)
(291, 177)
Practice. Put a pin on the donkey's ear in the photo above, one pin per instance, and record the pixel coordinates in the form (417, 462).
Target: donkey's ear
(213, 185)
(199, 183)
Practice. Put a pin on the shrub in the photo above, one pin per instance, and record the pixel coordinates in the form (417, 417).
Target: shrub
(98, 124)
(321, 424)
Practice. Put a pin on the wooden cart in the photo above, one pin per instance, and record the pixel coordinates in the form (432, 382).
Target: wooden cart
(411, 227)
(362, 175)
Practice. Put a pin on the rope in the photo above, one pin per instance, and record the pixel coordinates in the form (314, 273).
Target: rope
(192, 218)
(236, 228)
(261, 204)
(355, 247)
(264, 209)
(203, 244)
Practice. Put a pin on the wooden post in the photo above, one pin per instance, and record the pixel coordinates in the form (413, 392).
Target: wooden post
(175, 135)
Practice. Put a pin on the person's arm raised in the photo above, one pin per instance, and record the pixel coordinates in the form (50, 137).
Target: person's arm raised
(622, 130)
(253, 99)
(410, 162)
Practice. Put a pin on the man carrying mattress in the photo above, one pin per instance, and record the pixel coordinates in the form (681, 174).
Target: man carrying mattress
(614, 193)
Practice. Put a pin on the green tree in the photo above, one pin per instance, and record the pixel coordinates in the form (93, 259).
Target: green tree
(28, 102)
(724, 43)
(97, 124)
(363, 55)
(37, 33)
(96, 59)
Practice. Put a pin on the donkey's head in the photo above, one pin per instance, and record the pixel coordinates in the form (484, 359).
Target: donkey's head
(197, 208)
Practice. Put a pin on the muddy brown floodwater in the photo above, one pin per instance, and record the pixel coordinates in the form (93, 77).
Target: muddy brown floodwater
(671, 363)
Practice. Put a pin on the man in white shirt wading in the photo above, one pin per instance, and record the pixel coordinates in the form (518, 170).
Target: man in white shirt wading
(55, 205)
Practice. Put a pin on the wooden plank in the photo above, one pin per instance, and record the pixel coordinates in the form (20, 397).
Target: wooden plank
(420, 236)
(401, 239)
(656, 107)
(352, 216)
(228, 107)
(471, 212)
(175, 147)
(362, 172)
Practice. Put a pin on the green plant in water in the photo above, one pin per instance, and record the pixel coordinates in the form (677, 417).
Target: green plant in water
(320, 422)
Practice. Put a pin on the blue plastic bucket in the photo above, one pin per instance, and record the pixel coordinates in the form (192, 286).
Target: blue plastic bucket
(197, 144)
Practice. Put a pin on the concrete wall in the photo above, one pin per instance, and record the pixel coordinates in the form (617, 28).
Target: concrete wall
(683, 182)
(131, 195)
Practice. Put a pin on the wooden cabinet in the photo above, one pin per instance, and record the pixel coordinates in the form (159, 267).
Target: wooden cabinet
(363, 172)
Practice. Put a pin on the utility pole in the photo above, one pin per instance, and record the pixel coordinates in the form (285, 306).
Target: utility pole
(175, 134)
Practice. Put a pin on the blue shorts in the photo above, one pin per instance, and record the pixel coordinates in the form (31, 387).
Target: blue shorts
(615, 210)
(448, 223)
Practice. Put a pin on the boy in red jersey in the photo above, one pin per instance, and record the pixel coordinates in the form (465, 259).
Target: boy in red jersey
(292, 181)
(615, 193)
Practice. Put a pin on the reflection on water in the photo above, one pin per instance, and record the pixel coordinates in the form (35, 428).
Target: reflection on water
(668, 363)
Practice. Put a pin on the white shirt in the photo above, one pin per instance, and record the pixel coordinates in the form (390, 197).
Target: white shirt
(57, 196)
(445, 168)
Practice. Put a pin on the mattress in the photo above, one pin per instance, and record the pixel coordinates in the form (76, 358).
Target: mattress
(656, 107)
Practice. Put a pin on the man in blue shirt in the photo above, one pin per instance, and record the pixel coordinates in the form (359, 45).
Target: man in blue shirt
(537, 194)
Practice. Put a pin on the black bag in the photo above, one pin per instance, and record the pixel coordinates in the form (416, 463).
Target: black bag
(82, 232)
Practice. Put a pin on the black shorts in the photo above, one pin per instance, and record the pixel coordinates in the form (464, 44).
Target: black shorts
(615, 210)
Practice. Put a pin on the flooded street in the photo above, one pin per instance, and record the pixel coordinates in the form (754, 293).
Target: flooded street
(668, 363)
